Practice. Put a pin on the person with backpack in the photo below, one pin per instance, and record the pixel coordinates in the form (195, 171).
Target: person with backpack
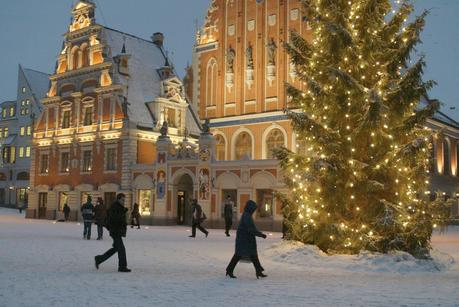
(198, 216)
(135, 216)
(246, 243)
(87, 211)
(100, 214)
(117, 226)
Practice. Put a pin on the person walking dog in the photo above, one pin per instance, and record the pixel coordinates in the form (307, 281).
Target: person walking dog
(246, 243)
(197, 218)
(117, 226)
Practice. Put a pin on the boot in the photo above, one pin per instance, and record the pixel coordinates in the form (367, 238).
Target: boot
(97, 262)
(230, 274)
(260, 274)
(124, 270)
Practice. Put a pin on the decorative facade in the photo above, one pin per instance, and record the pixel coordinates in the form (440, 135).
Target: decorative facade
(17, 119)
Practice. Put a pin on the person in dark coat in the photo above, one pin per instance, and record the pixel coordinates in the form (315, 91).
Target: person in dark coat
(87, 211)
(100, 214)
(197, 218)
(135, 216)
(228, 210)
(117, 226)
(66, 212)
(246, 243)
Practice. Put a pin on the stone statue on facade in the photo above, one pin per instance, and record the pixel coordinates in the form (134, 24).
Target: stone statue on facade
(206, 127)
(272, 47)
(164, 129)
(230, 60)
(249, 56)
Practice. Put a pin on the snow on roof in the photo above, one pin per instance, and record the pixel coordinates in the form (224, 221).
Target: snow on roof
(37, 81)
(143, 82)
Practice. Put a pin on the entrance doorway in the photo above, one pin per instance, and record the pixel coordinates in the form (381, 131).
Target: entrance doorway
(42, 202)
(184, 197)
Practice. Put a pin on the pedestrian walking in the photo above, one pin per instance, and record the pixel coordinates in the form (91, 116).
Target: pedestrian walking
(100, 214)
(117, 227)
(198, 216)
(246, 243)
(228, 211)
(66, 212)
(135, 216)
(87, 211)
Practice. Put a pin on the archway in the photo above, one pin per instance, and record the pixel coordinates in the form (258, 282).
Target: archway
(184, 188)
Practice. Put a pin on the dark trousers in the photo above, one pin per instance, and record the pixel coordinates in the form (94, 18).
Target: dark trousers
(100, 231)
(253, 258)
(228, 224)
(66, 214)
(135, 221)
(87, 230)
(197, 225)
(118, 247)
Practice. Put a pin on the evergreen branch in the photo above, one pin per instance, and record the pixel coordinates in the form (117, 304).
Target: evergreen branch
(394, 25)
(346, 78)
(338, 31)
(420, 117)
(296, 56)
(373, 113)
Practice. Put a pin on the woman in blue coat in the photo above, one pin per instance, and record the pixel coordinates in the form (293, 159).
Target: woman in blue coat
(246, 243)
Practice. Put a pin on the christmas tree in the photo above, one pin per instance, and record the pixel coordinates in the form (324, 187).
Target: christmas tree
(359, 178)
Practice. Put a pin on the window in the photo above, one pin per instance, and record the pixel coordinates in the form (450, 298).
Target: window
(265, 199)
(22, 131)
(66, 119)
(23, 176)
(23, 103)
(9, 155)
(88, 113)
(42, 203)
(220, 147)
(144, 202)
(27, 151)
(22, 195)
(87, 161)
(29, 130)
(110, 159)
(44, 164)
(4, 112)
(243, 146)
(27, 102)
(109, 198)
(5, 132)
(1, 133)
(12, 111)
(22, 111)
(63, 199)
(21, 152)
(171, 118)
(26, 111)
(274, 140)
(23, 89)
(65, 162)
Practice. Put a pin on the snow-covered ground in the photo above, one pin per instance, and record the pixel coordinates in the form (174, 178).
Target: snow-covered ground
(49, 264)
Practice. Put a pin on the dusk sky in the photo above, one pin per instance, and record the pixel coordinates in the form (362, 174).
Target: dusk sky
(31, 35)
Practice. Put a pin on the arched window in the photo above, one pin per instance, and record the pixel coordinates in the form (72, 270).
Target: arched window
(85, 55)
(220, 147)
(22, 176)
(446, 158)
(211, 83)
(275, 139)
(75, 57)
(243, 146)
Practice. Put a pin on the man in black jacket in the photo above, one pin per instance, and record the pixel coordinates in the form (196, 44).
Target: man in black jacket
(228, 211)
(117, 225)
(87, 210)
(197, 218)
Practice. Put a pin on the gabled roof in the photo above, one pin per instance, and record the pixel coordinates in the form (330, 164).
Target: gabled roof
(143, 83)
(37, 81)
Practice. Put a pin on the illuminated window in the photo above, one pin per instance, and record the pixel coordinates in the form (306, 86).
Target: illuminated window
(5, 132)
(23, 89)
(9, 155)
(446, 158)
(87, 161)
(44, 164)
(4, 112)
(29, 130)
(1, 133)
(243, 146)
(144, 199)
(66, 119)
(22, 131)
(23, 103)
(65, 162)
(28, 151)
(21, 152)
(220, 147)
(274, 140)
(12, 111)
(265, 199)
